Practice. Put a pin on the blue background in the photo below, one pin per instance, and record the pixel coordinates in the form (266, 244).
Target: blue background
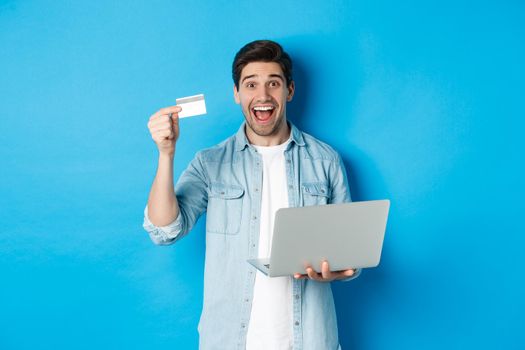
(425, 102)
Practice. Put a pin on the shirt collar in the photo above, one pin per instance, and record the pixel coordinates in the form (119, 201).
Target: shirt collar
(241, 141)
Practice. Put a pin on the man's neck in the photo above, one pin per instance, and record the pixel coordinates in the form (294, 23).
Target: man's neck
(271, 140)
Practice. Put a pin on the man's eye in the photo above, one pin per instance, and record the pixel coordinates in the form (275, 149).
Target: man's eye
(250, 85)
(274, 83)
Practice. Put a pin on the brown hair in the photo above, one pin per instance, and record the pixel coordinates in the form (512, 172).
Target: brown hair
(261, 51)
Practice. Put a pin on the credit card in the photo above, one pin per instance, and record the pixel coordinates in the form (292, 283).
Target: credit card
(191, 106)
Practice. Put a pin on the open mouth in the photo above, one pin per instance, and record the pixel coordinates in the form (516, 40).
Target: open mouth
(263, 113)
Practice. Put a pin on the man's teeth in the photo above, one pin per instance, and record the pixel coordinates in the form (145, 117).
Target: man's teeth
(263, 108)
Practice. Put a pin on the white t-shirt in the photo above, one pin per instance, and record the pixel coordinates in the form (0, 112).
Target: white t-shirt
(270, 325)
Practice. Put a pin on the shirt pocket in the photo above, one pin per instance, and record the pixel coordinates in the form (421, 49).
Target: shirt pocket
(315, 193)
(224, 208)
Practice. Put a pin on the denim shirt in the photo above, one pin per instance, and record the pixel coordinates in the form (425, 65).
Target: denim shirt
(225, 182)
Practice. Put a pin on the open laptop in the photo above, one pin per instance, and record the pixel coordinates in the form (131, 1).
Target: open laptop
(348, 235)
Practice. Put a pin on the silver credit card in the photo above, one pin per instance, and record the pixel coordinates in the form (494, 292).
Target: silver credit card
(191, 106)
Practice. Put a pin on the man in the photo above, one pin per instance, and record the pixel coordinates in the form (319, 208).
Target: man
(240, 183)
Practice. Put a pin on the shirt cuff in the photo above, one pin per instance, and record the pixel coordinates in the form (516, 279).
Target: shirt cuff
(162, 234)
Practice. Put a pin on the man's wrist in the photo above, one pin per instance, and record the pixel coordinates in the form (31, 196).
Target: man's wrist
(166, 156)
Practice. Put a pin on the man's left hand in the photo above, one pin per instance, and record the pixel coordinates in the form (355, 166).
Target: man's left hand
(326, 275)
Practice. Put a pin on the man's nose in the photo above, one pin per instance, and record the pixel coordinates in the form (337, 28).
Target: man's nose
(263, 93)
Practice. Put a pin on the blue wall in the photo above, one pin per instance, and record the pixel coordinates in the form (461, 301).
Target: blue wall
(425, 102)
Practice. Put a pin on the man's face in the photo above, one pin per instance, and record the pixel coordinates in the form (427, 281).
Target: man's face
(263, 95)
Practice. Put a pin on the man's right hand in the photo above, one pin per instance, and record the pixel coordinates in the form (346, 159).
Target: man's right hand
(164, 129)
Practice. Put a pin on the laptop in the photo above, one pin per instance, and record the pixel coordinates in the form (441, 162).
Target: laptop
(348, 235)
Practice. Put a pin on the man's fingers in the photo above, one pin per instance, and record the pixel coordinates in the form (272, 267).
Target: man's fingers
(162, 127)
(170, 109)
(298, 276)
(162, 134)
(162, 119)
(339, 275)
(312, 274)
(162, 131)
(349, 272)
(164, 114)
(325, 270)
(326, 275)
(166, 111)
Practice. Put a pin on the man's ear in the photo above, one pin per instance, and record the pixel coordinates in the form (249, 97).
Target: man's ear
(291, 91)
(236, 95)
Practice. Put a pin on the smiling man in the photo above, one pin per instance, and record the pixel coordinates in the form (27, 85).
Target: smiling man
(263, 93)
(240, 183)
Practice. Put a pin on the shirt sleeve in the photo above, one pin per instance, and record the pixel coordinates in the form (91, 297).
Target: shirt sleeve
(339, 182)
(192, 197)
(341, 194)
(162, 235)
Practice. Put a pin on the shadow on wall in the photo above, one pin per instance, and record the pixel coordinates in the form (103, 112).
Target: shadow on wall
(357, 303)
(353, 299)
(297, 110)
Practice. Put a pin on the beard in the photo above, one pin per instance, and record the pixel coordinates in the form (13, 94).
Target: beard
(262, 130)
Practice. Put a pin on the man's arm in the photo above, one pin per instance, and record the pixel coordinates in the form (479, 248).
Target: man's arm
(340, 194)
(163, 208)
(172, 212)
(339, 182)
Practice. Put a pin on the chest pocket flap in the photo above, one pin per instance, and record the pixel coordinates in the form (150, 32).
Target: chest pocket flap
(316, 193)
(225, 204)
(317, 189)
(223, 191)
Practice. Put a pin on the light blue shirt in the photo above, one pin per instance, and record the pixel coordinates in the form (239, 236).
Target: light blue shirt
(225, 182)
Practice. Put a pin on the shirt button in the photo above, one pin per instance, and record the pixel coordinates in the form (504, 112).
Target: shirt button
(255, 217)
(288, 161)
(243, 325)
(290, 187)
(296, 296)
(256, 190)
(296, 323)
(253, 245)
(246, 300)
